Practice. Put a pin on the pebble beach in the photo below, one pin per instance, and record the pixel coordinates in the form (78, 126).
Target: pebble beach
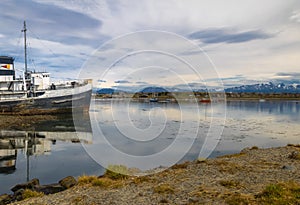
(253, 176)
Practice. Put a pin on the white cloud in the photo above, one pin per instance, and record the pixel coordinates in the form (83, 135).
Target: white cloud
(183, 17)
(275, 18)
(296, 16)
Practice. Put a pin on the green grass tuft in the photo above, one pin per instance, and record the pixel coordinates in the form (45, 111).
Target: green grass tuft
(280, 193)
(116, 172)
(29, 194)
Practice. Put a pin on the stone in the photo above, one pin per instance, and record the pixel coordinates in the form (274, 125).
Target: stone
(5, 199)
(245, 150)
(68, 182)
(49, 189)
(28, 185)
(294, 155)
(164, 201)
(287, 167)
(193, 200)
(18, 195)
(201, 160)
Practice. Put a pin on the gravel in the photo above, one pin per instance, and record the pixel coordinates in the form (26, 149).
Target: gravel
(210, 181)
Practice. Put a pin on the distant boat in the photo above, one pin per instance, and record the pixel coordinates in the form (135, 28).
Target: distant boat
(205, 100)
(262, 100)
(34, 93)
(164, 101)
(153, 100)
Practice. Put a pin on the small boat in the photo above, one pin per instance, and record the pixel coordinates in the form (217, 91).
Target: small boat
(164, 101)
(34, 93)
(153, 100)
(205, 100)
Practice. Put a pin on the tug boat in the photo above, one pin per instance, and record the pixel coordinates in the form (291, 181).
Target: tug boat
(34, 93)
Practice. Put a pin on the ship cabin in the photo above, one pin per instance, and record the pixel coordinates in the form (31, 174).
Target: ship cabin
(39, 80)
(32, 83)
(7, 73)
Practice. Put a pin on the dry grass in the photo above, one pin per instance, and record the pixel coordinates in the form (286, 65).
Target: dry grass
(264, 164)
(103, 182)
(204, 191)
(29, 194)
(78, 200)
(254, 147)
(239, 199)
(143, 179)
(233, 155)
(229, 183)
(227, 167)
(180, 166)
(86, 179)
(107, 183)
(164, 189)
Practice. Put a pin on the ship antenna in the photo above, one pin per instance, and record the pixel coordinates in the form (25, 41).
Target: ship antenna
(25, 46)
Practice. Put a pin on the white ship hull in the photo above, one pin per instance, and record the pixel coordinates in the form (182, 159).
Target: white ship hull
(48, 102)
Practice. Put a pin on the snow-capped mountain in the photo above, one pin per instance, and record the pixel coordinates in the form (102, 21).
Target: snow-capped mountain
(266, 88)
(270, 87)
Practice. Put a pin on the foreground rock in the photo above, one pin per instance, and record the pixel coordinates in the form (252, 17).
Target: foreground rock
(234, 179)
(34, 188)
(5, 198)
(68, 182)
(49, 189)
(28, 185)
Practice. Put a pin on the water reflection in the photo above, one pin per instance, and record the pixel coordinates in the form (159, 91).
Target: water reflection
(125, 127)
(146, 135)
(33, 143)
(290, 108)
(53, 149)
(49, 150)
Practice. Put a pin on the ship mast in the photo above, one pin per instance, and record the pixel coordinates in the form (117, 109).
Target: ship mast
(25, 47)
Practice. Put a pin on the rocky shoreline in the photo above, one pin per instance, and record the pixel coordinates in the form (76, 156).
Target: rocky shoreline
(20, 122)
(253, 176)
(33, 188)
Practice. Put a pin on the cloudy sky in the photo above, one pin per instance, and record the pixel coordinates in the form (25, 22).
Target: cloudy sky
(171, 42)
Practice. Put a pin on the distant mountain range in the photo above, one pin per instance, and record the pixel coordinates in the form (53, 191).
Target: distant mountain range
(102, 91)
(266, 88)
(270, 87)
(154, 90)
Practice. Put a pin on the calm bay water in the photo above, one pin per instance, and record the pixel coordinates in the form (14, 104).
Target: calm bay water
(134, 133)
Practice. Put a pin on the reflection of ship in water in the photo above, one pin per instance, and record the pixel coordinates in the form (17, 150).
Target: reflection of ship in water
(39, 141)
(8, 157)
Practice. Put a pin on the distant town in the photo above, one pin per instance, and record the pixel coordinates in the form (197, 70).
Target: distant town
(248, 92)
